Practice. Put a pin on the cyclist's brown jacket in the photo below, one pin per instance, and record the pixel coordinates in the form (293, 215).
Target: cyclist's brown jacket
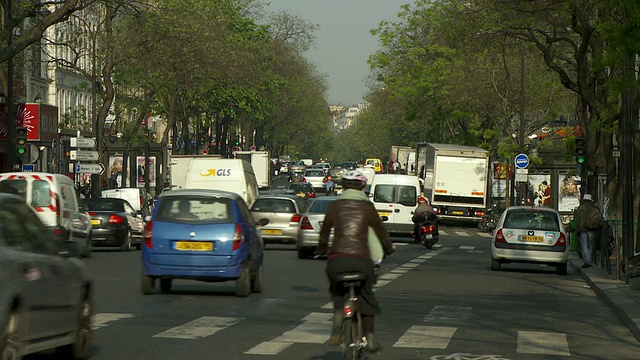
(351, 220)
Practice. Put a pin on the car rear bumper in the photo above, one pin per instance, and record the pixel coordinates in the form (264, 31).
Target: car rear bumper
(109, 236)
(288, 236)
(530, 255)
(197, 267)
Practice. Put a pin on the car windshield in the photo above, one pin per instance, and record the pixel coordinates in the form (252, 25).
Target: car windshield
(274, 205)
(195, 209)
(314, 173)
(402, 194)
(532, 219)
(104, 205)
(319, 206)
(301, 187)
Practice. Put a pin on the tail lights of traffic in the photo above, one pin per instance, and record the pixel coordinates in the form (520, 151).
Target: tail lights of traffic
(238, 237)
(115, 219)
(296, 218)
(148, 235)
(562, 240)
(305, 224)
(500, 236)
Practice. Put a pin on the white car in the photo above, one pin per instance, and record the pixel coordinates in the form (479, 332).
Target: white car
(310, 225)
(315, 177)
(528, 234)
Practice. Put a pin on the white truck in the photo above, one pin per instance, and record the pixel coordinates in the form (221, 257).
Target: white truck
(401, 153)
(455, 179)
(261, 164)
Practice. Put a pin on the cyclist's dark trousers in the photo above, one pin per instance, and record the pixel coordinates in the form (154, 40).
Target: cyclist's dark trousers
(367, 304)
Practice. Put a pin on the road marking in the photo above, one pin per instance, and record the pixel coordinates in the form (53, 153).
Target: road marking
(485, 234)
(104, 319)
(462, 233)
(448, 313)
(315, 329)
(467, 247)
(418, 260)
(409, 265)
(389, 276)
(533, 342)
(381, 283)
(426, 337)
(199, 328)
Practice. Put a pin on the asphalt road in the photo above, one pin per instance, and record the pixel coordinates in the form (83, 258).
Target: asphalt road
(438, 304)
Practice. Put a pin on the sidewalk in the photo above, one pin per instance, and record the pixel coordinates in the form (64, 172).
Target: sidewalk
(623, 298)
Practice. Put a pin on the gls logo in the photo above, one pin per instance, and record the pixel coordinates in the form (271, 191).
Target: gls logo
(214, 172)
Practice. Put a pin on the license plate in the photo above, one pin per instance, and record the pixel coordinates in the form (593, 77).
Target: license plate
(95, 221)
(428, 236)
(455, 212)
(528, 238)
(193, 246)
(273, 231)
(384, 213)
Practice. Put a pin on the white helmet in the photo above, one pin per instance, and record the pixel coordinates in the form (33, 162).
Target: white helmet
(354, 179)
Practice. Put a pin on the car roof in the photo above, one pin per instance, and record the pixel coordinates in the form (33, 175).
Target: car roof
(278, 196)
(533, 208)
(200, 192)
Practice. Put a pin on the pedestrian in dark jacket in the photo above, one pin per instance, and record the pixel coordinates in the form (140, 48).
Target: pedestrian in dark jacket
(588, 221)
(349, 252)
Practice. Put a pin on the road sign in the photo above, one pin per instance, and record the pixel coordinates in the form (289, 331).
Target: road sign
(28, 168)
(85, 143)
(90, 168)
(235, 148)
(253, 148)
(84, 155)
(522, 161)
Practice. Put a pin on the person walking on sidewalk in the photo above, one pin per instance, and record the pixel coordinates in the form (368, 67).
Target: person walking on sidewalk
(588, 221)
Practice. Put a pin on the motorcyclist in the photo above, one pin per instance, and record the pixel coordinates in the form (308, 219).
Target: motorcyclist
(423, 212)
(329, 186)
(351, 216)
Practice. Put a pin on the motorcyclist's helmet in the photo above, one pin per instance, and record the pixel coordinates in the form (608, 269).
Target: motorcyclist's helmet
(422, 199)
(354, 179)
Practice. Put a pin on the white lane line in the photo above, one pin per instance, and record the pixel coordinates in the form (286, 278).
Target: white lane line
(426, 337)
(409, 265)
(476, 251)
(467, 247)
(315, 329)
(485, 234)
(104, 319)
(462, 233)
(418, 260)
(399, 271)
(389, 276)
(381, 283)
(533, 342)
(199, 328)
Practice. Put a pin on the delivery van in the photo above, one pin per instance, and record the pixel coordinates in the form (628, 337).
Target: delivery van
(55, 200)
(396, 197)
(232, 175)
(140, 200)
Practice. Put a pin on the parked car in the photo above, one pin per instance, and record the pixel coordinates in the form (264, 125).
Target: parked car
(529, 234)
(310, 224)
(46, 299)
(115, 223)
(303, 190)
(56, 201)
(284, 213)
(206, 235)
(315, 177)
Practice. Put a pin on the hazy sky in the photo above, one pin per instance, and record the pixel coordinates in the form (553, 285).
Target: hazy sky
(343, 42)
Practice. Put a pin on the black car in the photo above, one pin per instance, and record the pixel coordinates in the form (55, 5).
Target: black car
(115, 223)
(304, 190)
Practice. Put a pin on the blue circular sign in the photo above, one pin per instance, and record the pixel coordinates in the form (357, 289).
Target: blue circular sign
(235, 148)
(522, 161)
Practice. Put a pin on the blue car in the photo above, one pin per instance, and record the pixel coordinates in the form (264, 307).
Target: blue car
(205, 235)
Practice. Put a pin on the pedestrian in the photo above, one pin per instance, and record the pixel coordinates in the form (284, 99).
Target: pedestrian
(396, 166)
(588, 222)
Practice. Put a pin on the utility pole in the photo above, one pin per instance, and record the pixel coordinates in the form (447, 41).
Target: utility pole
(627, 169)
(97, 133)
(11, 121)
(521, 132)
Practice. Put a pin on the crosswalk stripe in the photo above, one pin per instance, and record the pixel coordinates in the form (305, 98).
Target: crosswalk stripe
(315, 329)
(533, 342)
(485, 234)
(426, 337)
(467, 247)
(104, 319)
(462, 233)
(199, 328)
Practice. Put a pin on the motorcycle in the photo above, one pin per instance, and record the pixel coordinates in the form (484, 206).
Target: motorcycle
(427, 230)
(487, 223)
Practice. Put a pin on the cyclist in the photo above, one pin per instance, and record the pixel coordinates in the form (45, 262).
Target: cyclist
(351, 216)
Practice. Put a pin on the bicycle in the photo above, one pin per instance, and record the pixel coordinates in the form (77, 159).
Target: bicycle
(353, 341)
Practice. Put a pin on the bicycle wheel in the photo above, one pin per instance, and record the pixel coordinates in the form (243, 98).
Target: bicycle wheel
(349, 333)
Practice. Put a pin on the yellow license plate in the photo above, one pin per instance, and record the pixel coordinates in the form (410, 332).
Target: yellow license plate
(528, 238)
(384, 213)
(273, 231)
(458, 212)
(194, 246)
(95, 221)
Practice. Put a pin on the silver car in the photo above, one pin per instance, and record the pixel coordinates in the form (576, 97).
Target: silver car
(315, 177)
(46, 297)
(310, 226)
(284, 212)
(530, 234)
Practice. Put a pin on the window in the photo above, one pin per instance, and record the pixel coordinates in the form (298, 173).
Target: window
(40, 193)
(195, 209)
(319, 207)
(105, 205)
(21, 229)
(383, 193)
(274, 205)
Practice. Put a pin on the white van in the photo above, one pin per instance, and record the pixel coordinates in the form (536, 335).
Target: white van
(233, 175)
(138, 198)
(55, 200)
(396, 197)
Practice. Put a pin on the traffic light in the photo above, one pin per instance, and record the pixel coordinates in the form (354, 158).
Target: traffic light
(21, 144)
(580, 151)
(202, 140)
(238, 142)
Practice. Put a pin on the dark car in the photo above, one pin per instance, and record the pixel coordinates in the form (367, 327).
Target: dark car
(204, 235)
(46, 297)
(115, 223)
(304, 190)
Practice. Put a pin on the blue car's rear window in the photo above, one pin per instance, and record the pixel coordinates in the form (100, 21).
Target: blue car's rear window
(194, 209)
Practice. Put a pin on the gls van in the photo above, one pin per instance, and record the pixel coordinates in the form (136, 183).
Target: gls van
(396, 197)
(232, 175)
(55, 199)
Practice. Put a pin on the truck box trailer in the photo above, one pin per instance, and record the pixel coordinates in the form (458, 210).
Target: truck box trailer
(261, 165)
